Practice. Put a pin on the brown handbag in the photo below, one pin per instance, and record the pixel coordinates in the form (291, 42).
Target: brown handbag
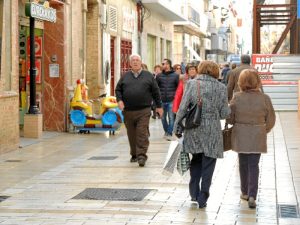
(227, 137)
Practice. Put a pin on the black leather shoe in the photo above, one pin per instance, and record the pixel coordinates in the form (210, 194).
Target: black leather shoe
(133, 159)
(141, 162)
(202, 205)
(202, 199)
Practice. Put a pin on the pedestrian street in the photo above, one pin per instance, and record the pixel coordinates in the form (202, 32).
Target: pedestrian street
(39, 182)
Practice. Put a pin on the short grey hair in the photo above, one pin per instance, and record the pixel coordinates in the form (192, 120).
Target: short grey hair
(245, 59)
(135, 55)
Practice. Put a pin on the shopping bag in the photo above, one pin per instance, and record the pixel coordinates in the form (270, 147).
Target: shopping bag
(183, 163)
(172, 157)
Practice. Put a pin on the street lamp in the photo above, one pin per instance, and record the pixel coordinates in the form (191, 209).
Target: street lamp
(228, 31)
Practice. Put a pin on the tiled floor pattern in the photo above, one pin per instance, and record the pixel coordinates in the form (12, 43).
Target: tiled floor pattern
(53, 170)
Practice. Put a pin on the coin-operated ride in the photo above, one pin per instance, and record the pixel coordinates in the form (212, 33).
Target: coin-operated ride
(110, 117)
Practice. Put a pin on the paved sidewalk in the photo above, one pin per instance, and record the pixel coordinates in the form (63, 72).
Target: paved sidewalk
(41, 179)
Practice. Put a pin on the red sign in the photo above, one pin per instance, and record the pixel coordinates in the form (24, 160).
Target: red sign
(38, 65)
(38, 46)
(263, 63)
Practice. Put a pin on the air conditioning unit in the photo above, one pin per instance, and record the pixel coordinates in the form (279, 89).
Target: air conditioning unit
(103, 14)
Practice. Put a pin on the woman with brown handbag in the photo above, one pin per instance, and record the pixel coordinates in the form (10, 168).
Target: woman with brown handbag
(204, 141)
(252, 116)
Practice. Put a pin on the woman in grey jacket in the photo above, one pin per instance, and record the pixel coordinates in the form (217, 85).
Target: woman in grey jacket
(204, 142)
(252, 116)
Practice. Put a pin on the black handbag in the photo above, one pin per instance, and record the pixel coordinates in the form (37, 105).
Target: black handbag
(192, 118)
(227, 137)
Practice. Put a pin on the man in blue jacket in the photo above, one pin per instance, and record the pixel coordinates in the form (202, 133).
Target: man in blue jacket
(167, 82)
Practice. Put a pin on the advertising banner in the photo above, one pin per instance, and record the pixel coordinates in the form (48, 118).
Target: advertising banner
(263, 63)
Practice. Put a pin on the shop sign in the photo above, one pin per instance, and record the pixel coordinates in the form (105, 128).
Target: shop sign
(42, 12)
(128, 19)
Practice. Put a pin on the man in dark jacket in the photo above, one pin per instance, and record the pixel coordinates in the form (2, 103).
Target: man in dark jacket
(167, 82)
(232, 85)
(135, 91)
(225, 73)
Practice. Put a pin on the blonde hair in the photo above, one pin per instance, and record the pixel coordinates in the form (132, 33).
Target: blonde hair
(249, 79)
(210, 68)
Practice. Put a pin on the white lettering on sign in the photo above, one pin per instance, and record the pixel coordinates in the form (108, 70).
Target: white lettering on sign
(264, 68)
(264, 60)
(40, 12)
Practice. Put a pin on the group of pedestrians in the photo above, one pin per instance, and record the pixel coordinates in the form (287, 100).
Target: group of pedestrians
(242, 103)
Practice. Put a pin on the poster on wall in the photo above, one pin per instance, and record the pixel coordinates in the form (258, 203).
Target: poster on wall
(53, 70)
(38, 65)
(38, 46)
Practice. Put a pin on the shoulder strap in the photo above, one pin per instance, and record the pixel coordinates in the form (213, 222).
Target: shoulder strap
(199, 99)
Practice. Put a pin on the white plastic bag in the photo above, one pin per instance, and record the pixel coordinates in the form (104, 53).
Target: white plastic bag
(174, 150)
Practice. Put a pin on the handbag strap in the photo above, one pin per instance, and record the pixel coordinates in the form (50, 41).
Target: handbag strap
(199, 99)
(226, 126)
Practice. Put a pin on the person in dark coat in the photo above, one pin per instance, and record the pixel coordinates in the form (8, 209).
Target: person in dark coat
(135, 91)
(252, 116)
(167, 82)
(232, 86)
(224, 74)
(204, 142)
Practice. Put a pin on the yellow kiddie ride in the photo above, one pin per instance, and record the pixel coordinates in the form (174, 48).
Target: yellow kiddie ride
(110, 117)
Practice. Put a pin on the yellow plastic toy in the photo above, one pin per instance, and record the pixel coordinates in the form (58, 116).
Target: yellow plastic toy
(110, 117)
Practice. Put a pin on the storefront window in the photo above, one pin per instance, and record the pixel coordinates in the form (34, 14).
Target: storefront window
(169, 46)
(151, 50)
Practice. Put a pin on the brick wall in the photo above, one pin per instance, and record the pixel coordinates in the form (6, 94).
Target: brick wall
(9, 132)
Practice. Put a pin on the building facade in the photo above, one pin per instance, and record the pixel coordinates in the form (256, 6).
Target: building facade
(156, 30)
(119, 35)
(189, 35)
(9, 94)
(222, 24)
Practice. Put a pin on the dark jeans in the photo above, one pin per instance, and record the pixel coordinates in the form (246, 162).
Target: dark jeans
(249, 172)
(168, 113)
(201, 167)
(137, 125)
